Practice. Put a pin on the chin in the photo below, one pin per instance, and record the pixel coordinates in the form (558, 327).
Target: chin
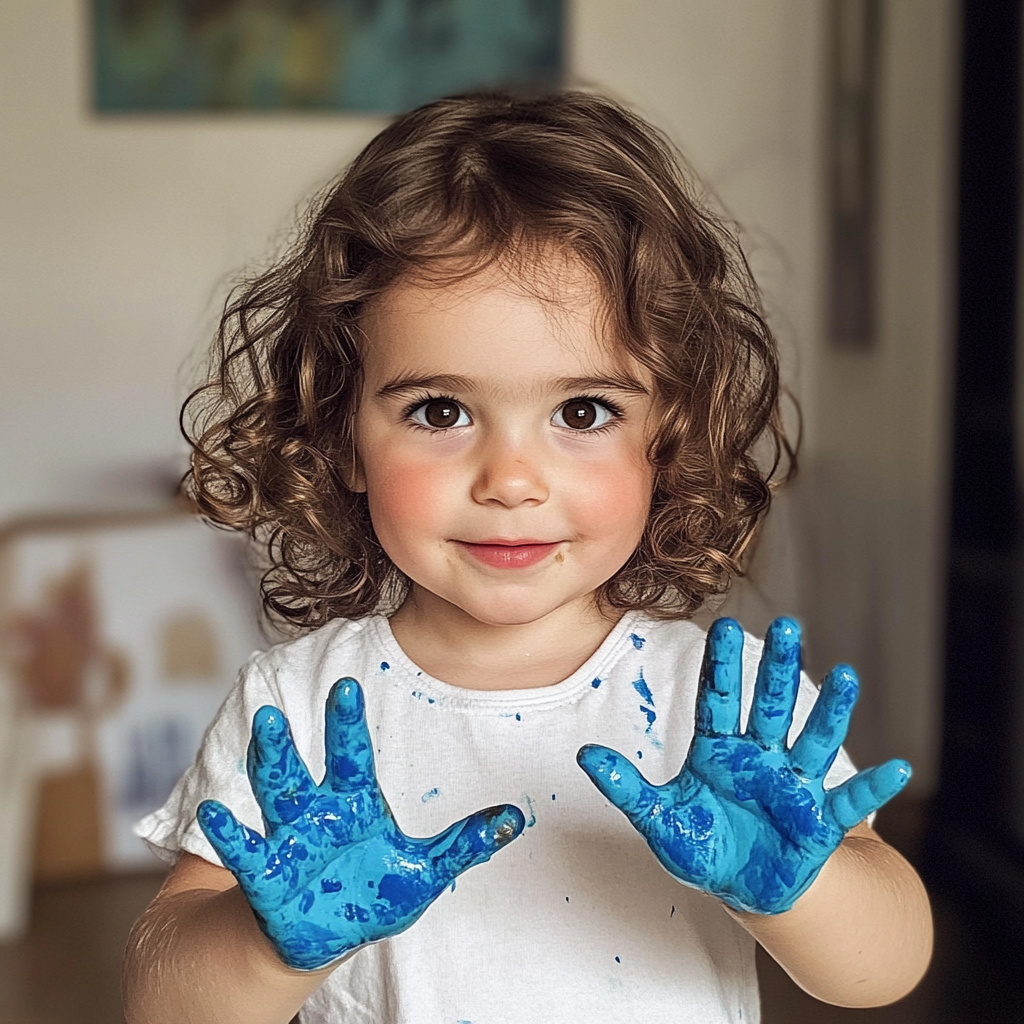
(519, 610)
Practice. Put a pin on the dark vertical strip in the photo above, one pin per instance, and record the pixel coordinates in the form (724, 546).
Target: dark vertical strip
(854, 34)
(974, 857)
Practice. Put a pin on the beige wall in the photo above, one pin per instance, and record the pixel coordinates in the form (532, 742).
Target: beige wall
(118, 236)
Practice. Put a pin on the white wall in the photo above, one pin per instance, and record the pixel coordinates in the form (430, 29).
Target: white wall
(118, 235)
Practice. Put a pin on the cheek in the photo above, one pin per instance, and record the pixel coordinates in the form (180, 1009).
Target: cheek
(614, 500)
(406, 497)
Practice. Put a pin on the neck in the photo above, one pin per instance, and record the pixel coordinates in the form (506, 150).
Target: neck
(460, 650)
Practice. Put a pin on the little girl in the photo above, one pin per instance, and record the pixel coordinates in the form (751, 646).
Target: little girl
(505, 420)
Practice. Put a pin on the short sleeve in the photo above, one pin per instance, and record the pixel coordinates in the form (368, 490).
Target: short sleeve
(218, 773)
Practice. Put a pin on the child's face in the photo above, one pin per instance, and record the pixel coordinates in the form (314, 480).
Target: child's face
(502, 442)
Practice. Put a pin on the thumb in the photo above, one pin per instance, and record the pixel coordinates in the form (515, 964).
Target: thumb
(852, 801)
(618, 780)
(473, 840)
(241, 850)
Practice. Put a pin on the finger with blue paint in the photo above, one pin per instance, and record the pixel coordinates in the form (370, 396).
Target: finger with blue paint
(333, 871)
(747, 818)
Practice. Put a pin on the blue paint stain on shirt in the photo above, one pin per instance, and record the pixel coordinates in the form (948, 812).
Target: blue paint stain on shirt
(596, 683)
(532, 819)
(638, 641)
(430, 794)
(652, 717)
(639, 755)
(420, 695)
(672, 912)
(641, 687)
(617, 960)
(552, 796)
(519, 717)
(384, 666)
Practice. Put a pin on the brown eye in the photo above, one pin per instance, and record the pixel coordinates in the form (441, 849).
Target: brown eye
(440, 413)
(582, 414)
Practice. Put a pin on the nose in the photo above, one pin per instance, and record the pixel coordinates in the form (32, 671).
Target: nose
(510, 474)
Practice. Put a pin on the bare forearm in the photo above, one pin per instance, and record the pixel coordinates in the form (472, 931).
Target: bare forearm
(862, 933)
(198, 956)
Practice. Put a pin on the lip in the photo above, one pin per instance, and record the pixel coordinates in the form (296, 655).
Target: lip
(509, 554)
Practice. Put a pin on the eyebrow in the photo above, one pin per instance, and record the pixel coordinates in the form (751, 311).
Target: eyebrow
(622, 382)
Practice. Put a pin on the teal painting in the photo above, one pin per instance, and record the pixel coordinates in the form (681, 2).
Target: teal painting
(381, 56)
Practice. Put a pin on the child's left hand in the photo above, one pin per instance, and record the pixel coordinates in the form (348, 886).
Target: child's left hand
(748, 819)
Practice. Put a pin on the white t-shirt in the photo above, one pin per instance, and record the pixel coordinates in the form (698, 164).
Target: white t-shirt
(575, 921)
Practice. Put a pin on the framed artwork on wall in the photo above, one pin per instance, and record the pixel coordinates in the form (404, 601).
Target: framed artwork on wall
(120, 637)
(379, 56)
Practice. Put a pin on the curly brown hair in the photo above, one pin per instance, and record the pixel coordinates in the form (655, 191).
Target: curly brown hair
(481, 178)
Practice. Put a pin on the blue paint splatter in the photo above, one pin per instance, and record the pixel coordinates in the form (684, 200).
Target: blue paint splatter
(566, 899)
(672, 913)
(430, 794)
(639, 755)
(641, 687)
(652, 717)
(337, 838)
(552, 796)
(384, 666)
(617, 960)
(596, 683)
(532, 820)
(420, 695)
(638, 641)
(519, 717)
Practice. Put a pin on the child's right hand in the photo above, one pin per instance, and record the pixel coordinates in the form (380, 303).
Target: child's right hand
(334, 871)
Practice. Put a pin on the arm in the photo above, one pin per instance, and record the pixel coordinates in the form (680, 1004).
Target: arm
(197, 955)
(861, 935)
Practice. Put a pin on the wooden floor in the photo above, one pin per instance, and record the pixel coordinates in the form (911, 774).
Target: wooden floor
(66, 971)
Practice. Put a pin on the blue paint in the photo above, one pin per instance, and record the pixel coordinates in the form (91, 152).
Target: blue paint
(747, 818)
(384, 666)
(332, 870)
(532, 820)
(552, 796)
(430, 794)
(566, 899)
(672, 912)
(638, 641)
(652, 717)
(596, 683)
(641, 687)
(617, 960)
(519, 717)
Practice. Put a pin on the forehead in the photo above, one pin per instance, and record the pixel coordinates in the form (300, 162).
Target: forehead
(497, 326)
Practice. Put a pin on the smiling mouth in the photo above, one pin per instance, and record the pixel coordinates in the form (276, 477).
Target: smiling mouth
(501, 554)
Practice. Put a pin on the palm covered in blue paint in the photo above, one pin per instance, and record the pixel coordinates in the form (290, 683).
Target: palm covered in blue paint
(748, 819)
(334, 871)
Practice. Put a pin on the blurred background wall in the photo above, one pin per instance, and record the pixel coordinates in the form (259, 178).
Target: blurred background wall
(121, 233)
